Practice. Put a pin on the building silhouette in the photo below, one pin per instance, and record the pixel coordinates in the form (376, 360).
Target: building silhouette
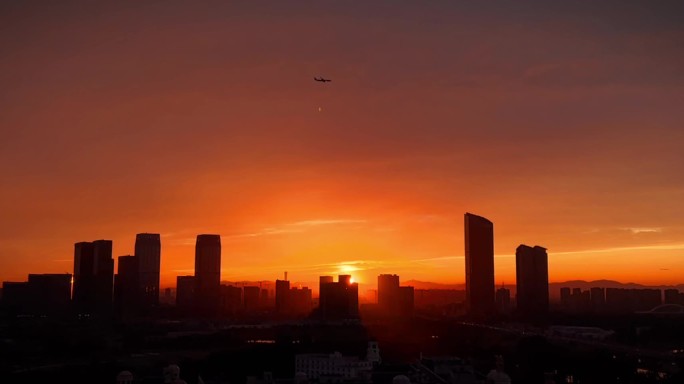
(394, 300)
(126, 286)
(93, 277)
(208, 273)
(282, 297)
(503, 300)
(148, 253)
(45, 294)
(251, 298)
(185, 292)
(231, 299)
(532, 281)
(339, 300)
(479, 264)
(300, 301)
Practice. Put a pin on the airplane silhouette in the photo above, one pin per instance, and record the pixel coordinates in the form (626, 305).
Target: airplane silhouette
(321, 79)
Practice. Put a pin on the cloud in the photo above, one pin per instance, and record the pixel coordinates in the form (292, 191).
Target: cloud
(653, 247)
(264, 232)
(638, 230)
(311, 223)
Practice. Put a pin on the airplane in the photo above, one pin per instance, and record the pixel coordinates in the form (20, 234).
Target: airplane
(321, 79)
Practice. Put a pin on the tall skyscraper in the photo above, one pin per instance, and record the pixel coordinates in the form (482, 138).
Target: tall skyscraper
(208, 272)
(282, 297)
(388, 291)
(103, 270)
(339, 300)
(83, 277)
(126, 286)
(148, 253)
(185, 292)
(93, 276)
(532, 282)
(479, 263)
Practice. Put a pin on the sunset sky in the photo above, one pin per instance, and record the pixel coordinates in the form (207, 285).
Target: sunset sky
(561, 122)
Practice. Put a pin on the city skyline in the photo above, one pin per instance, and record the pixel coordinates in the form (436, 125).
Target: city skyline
(199, 118)
(365, 278)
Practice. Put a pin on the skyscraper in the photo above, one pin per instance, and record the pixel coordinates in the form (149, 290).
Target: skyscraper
(103, 271)
(532, 281)
(83, 277)
(339, 300)
(148, 253)
(126, 287)
(479, 263)
(282, 297)
(93, 276)
(208, 272)
(185, 292)
(388, 292)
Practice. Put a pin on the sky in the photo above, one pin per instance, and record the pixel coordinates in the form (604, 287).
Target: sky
(561, 122)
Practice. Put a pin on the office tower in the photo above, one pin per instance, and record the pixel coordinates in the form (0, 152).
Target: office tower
(503, 300)
(282, 297)
(339, 300)
(103, 271)
(208, 272)
(532, 281)
(231, 299)
(93, 276)
(322, 284)
(83, 277)
(185, 292)
(49, 293)
(388, 292)
(126, 286)
(148, 252)
(394, 300)
(566, 299)
(598, 299)
(479, 264)
(251, 298)
(300, 301)
(15, 297)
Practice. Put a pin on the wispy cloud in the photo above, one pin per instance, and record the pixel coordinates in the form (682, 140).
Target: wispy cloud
(311, 223)
(264, 232)
(295, 227)
(638, 230)
(653, 247)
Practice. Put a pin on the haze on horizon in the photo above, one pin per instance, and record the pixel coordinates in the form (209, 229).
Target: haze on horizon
(561, 123)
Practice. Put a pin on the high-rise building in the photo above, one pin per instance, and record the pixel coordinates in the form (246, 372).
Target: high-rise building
(300, 301)
(322, 286)
(185, 291)
(339, 300)
(93, 276)
(388, 291)
(148, 252)
(83, 277)
(479, 264)
(126, 286)
(282, 297)
(49, 294)
(598, 299)
(532, 281)
(208, 272)
(103, 270)
(231, 299)
(394, 300)
(251, 298)
(503, 299)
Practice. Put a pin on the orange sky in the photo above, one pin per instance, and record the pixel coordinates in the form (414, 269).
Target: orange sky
(561, 123)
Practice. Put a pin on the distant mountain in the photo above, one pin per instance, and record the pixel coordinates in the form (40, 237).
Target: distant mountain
(429, 285)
